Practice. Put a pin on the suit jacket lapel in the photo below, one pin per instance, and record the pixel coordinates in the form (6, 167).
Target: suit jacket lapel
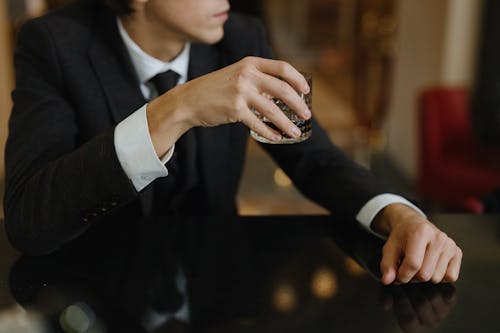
(212, 142)
(118, 79)
(114, 68)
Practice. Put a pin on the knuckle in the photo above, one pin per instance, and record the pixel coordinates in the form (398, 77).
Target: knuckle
(241, 79)
(412, 264)
(240, 87)
(451, 243)
(255, 127)
(246, 71)
(423, 230)
(256, 124)
(240, 106)
(419, 230)
(272, 113)
(441, 241)
(284, 88)
(451, 246)
(248, 60)
(442, 238)
(424, 276)
(283, 66)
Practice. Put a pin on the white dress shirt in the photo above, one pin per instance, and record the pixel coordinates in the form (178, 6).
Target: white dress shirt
(133, 142)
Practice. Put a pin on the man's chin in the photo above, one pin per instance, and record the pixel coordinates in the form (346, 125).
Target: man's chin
(209, 39)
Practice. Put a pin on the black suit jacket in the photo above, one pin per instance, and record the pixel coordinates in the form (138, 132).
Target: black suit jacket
(75, 83)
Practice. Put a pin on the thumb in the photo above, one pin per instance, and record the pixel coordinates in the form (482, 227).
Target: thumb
(391, 255)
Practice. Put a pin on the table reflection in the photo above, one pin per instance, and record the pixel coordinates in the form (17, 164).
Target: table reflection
(204, 274)
(419, 307)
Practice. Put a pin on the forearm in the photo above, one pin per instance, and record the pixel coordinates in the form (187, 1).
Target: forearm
(53, 205)
(325, 174)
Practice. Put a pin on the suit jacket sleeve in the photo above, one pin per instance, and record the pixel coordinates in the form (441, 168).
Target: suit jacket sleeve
(54, 186)
(320, 170)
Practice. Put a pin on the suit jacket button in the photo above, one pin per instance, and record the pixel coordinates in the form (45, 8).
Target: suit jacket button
(104, 209)
(85, 219)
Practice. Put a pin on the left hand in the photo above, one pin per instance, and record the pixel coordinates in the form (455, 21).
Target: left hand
(416, 250)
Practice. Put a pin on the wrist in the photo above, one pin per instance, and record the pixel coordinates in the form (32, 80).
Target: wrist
(391, 216)
(167, 122)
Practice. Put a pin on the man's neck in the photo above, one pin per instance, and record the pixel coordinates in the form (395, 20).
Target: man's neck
(158, 44)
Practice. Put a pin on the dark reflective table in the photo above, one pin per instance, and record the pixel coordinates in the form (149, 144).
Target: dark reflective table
(247, 274)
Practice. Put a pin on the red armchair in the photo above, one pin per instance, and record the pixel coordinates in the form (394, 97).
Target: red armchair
(454, 166)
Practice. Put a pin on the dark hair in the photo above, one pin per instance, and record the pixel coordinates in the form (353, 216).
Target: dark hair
(120, 7)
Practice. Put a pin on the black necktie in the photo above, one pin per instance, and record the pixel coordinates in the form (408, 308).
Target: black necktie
(165, 81)
(181, 166)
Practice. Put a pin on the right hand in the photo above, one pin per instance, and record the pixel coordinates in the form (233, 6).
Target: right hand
(228, 96)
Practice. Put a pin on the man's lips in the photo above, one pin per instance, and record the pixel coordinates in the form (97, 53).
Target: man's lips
(222, 15)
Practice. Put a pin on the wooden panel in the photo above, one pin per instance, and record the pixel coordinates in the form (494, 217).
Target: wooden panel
(322, 30)
(6, 82)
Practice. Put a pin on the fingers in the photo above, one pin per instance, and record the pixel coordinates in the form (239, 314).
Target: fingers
(428, 255)
(453, 270)
(267, 108)
(433, 254)
(256, 125)
(282, 90)
(448, 263)
(413, 259)
(391, 255)
(282, 69)
(443, 263)
(227, 95)
(257, 78)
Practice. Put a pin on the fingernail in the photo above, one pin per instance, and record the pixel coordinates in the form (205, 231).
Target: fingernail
(296, 132)
(276, 137)
(307, 113)
(307, 89)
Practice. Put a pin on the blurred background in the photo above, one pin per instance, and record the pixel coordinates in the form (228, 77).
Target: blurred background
(410, 89)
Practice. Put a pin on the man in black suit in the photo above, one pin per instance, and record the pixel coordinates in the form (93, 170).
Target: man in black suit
(84, 142)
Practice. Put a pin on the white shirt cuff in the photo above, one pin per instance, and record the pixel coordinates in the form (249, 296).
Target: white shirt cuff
(168, 155)
(368, 212)
(136, 152)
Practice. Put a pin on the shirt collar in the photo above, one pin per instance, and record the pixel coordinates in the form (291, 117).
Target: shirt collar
(147, 66)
